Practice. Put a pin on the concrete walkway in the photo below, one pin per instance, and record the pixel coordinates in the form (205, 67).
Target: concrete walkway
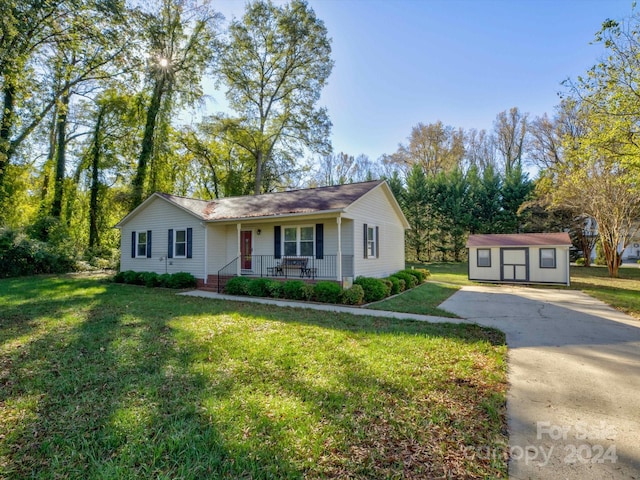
(324, 307)
(573, 404)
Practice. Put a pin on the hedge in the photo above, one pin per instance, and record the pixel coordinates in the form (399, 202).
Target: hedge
(353, 295)
(152, 279)
(238, 286)
(374, 288)
(327, 292)
(409, 280)
(395, 285)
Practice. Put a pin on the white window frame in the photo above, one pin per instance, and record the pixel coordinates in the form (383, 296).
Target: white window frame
(371, 241)
(553, 251)
(139, 244)
(298, 240)
(487, 258)
(175, 242)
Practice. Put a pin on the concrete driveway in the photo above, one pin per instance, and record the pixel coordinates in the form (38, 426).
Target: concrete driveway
(573, 404)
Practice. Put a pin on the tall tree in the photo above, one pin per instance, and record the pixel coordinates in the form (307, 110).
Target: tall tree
(548, 136)
(435, 147)
(419, 213)
(27, 27)
(480, 149)
(485, 200)
(451, 203)
(221, 168)
(598, 186)
(274, 66)
(610, 91)
(180, 38)
(601, 171)
(338, 169)
(516, 190)
(91, 50)
(112, 119)
(510, 130)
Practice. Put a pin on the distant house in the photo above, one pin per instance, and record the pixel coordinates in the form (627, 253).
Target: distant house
(519, 258)
(331, 233)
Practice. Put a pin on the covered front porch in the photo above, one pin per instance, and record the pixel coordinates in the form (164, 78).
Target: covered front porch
(289, 247)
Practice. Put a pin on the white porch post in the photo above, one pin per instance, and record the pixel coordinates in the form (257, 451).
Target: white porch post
(206, 248)
(239, 268)
(339, 255)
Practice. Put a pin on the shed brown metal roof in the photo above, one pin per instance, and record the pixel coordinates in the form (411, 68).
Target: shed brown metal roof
(306, 201)
(519, 239)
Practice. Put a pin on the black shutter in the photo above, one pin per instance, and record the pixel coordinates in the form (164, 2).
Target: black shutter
(377, 242)
(366, 245)
(319, 241)
(170, 244)
(133, 244)
(277, 235)
(148, 243)
(189, 242)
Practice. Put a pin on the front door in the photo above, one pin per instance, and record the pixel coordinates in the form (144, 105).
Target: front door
(246, 249)
(515, 264)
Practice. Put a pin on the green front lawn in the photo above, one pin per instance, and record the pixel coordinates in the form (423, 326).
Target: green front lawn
(622, 293)
(446, 272)
(445, 280)
(423, 300)
(99, 380)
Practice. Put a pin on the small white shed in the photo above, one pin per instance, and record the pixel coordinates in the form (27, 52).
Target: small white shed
(520, 258)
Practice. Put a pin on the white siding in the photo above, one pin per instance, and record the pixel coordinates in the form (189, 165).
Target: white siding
(549, 275)
(217, 248)
(159, 216)
(223, 240)
(376, 210)
(491, 273)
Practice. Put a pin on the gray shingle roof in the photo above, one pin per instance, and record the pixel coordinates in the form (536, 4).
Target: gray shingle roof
(518, 239)
(306, 201)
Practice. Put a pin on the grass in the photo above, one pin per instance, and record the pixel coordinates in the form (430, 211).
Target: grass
(445, 280)
(447, 272)
(423, 300)
(621, 293)
(99, 380)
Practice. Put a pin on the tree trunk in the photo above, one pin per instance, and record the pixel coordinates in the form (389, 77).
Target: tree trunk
(587, 248)
(612, 256)
(94, 237)
(258, 184)
(6, 125)
(61, 129)
(46, 167)
(139, 180)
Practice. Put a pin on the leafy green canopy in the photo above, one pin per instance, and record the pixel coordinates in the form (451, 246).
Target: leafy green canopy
(274, 66)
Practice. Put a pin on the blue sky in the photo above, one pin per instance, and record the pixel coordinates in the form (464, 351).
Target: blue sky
(401, 62)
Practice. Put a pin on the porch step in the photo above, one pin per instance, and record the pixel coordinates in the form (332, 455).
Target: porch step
(212, 282)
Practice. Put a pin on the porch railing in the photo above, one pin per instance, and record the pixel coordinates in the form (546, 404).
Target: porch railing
(296, 266)
(293, 267)
(230, 270)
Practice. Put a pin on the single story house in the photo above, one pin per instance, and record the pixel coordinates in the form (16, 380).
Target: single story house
(330, 233)
(519, 258)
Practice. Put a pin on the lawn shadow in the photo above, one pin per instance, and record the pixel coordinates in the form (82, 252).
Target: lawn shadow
(108, 392)
(113, 385)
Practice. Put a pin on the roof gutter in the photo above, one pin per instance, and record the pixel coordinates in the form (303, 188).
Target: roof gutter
(276, 217)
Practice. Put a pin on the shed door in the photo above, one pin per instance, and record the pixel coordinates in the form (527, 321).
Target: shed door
(514, 263)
